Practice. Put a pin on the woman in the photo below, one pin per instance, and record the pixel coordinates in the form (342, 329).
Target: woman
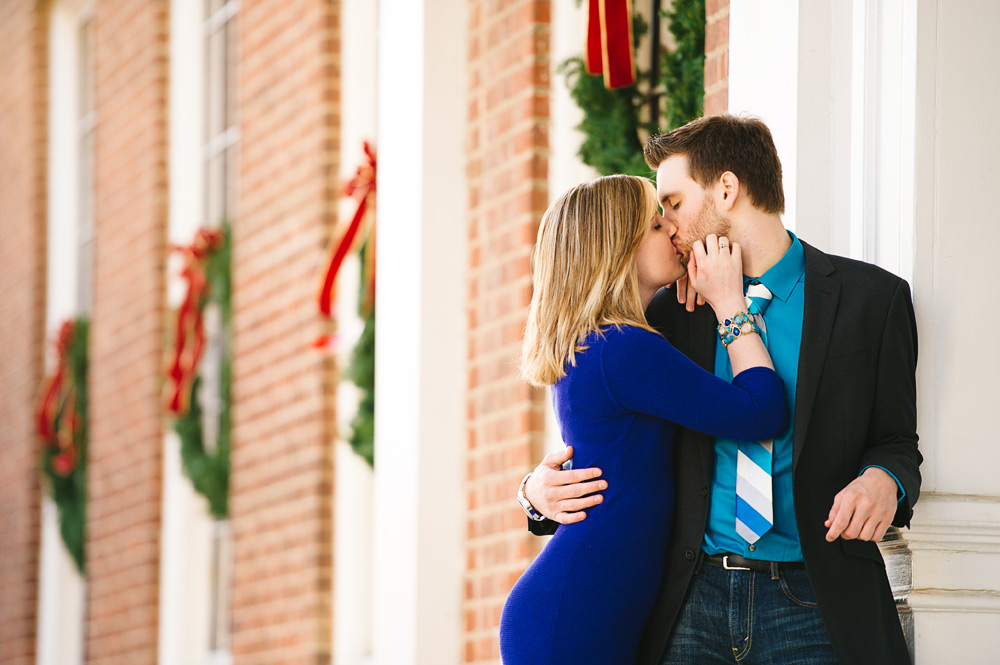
(619, 390)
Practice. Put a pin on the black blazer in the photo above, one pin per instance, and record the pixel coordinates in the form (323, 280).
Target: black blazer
(855, 406)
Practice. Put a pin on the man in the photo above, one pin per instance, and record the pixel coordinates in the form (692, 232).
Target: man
(774, 561)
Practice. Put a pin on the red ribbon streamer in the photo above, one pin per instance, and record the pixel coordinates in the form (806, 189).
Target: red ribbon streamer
(189, 338)
(56, 419)
(609, 42)
(362, 188)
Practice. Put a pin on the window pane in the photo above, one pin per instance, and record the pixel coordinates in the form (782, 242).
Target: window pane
(215, 191)
(215, 54)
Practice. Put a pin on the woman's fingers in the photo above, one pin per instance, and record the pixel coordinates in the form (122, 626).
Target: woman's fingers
(712, 244)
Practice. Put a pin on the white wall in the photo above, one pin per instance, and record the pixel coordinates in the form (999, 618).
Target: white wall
(763, 78)
(421, 340)
(956, 531)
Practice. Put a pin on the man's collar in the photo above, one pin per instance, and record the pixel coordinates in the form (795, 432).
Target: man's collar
(782, 277)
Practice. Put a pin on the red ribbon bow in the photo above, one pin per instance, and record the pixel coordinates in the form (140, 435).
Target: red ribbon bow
(362, 188)
(609, 42)
(56, 419)
(189, 340)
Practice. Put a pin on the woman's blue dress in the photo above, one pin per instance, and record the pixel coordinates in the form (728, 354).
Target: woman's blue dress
(586, 598)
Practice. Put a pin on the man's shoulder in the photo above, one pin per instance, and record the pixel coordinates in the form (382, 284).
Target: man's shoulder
(859, 278)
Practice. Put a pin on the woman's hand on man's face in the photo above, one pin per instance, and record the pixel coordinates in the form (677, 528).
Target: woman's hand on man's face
(716, 272)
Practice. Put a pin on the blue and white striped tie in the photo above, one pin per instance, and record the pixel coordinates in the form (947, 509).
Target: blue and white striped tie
(754, 516)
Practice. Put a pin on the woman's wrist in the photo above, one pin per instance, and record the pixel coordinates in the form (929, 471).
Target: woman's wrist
(727, 308)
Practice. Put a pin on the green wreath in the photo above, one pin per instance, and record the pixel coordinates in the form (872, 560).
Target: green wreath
(361, 371)
(612, 126)
(69, 490)
(209, 472)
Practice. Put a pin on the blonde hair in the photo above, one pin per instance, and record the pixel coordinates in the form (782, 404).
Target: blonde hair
(584, 271)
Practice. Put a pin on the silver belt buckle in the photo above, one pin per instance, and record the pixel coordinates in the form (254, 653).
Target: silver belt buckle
(725, 564)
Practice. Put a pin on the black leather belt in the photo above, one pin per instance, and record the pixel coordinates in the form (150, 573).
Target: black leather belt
(736, 562)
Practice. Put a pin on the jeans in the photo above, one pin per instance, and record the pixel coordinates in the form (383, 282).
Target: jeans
(750, 618)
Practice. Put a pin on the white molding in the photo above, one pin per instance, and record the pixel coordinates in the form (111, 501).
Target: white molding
(956, 523)
(421, 343)
(187, 528)
(963, 601)
(354, 494)
(61, 589)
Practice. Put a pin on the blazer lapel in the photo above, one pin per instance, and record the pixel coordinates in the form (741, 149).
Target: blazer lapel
(702, 348)
(822, 293)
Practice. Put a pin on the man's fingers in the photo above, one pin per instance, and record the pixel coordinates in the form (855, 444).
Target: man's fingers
(839, 521)
(856, 526)
(869, 529)
(881, 529)
(575, 476)
(573, 505)
(569, 518)
(693, 297)
(557, 458)
(559, 493)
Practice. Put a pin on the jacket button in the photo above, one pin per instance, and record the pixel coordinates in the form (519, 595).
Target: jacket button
(689, 555)
(704, 491)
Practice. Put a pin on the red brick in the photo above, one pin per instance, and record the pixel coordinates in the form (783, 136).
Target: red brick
(284, 424)
(23, 113)
(128, 328)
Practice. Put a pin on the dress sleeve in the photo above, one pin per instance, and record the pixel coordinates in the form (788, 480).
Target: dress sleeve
(643, 372)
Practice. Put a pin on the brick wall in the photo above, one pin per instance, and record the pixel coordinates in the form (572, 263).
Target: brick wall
(283, 392)
(716, 56)
(508, 171)
(127, 334)
(23, 112)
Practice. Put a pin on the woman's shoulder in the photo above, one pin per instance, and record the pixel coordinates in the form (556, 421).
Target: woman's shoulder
(619, 341)
(626, 334)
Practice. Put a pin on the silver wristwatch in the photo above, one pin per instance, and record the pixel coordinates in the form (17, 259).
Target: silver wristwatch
(526, 506)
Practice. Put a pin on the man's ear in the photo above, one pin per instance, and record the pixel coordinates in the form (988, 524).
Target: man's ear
(727, 191)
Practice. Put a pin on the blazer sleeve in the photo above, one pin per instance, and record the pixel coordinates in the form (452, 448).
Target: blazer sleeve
(892, 433)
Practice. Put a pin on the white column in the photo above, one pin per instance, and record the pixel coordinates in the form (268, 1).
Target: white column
(421, 340)
(764, 78)
(187, 527)
(956, 529)
(61, 589)
(354, 493)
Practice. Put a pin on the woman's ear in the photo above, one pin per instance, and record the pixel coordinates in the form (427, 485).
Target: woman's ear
(728, 190)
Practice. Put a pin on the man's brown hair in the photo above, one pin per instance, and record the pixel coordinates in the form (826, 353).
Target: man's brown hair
(719, 143)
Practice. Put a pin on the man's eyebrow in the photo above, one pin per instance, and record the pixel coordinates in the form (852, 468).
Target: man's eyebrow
(663, 199)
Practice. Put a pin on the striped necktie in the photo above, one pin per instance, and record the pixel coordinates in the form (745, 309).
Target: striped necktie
(754, 515)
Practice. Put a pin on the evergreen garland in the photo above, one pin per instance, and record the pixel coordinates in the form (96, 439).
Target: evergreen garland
(684, 68)
(361, 371)
(69, 490)
(612, 124)
(209, 472)
(361, 367)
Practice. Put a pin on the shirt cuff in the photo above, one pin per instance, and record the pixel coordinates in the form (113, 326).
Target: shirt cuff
(902, 492)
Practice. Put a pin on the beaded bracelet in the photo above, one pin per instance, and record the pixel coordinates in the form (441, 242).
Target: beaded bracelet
(731, 329)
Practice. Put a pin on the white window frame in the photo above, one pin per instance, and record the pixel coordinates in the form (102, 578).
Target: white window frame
(196, 549)
(62, 590)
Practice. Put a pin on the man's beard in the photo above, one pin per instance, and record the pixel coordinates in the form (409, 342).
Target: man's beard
(708, 221)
